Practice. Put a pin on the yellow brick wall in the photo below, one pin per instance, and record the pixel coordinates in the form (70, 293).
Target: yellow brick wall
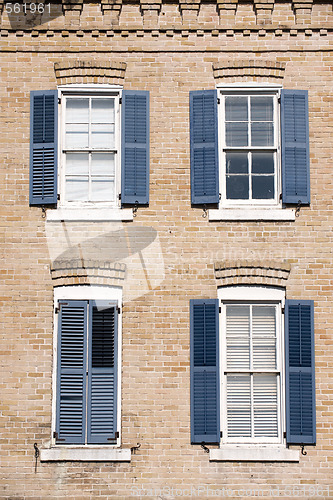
(169, 59)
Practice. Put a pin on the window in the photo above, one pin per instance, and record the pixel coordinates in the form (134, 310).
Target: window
(249, 150)
(252, 373)
(249, 166)
(87, 368)
(89, 148)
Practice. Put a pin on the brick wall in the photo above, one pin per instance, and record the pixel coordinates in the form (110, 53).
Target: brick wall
(168, 49)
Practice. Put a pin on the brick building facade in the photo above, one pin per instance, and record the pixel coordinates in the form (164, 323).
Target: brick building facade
(194, 225)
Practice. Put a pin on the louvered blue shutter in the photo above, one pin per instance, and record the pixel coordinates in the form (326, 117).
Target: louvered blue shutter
(205, 390)
(43, 147)
(135, 148)
(102, 378)
(300, 372)
(71, 373)
(295, 147)
(204, 147)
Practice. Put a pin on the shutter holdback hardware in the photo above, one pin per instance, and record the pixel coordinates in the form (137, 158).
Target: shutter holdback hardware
(204, 215)
(204, 447)
(298, 208)
(303, 450)
(36, 455)
(134, 448)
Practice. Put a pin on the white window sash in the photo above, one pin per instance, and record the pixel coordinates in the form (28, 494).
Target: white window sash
(276, 149)
(98, 92)
(278, 371)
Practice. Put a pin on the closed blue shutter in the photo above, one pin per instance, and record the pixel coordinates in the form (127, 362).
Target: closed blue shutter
(300, 372)
(204, 147)
(135, 148)
(71, 376)
(295, 147)
(43, 147)
(102, 379)
(205, 391)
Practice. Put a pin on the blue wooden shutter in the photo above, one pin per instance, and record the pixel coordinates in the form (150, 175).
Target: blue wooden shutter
(300, 372)
(102, 379)
(295, 147)
(43, 147)
(135, 148)
(71, 376)
(205, 390)
(204, 147)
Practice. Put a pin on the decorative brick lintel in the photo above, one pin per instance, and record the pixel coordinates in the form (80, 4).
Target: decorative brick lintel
(250, 67)
(247, 272)
(102, 71)
(87, 272)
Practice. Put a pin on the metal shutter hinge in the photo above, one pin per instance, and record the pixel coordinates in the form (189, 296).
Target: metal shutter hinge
(59, 100)
(116, 436)
(56, 437)
(120, 100)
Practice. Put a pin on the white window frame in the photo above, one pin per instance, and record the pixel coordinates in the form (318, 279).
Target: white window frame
(250, 209)
(81, 210)
(246, 92)
(90, 92)
(244, 295)
(82, 452)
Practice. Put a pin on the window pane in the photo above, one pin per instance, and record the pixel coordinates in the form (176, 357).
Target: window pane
(262, 134)
(265, 405)
(239, 406)
(264, 337)
(77, 110)
(236, 109)
(102, 136)
(237, 163)
(262, 187)
(77, 189)
(102, 111)
(102, 190)
(263, 163)
(102, 164)
(236, 134)
(77, 136)
(238, 336)
(237, 187)
(262, 109)
(77, 164)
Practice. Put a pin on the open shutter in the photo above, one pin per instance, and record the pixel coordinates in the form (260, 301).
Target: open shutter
(295, 147)
(71, 377)
(300, 372)
(43, 147)
(204, 147)
(102, 379)
(135, 148)
(205, 392)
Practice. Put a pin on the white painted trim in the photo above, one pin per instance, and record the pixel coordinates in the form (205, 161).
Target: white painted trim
(89, 214)
(254, 454)
(88, 292)
(90, 87)
(85, 454)
(256, 214)
(249, 85)
(251, 293)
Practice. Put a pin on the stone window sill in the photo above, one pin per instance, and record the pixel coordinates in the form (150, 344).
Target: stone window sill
(271, 453)
(89, 214)
(85, 454)
(257, 214)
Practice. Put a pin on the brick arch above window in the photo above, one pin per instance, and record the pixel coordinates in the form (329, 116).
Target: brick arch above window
(87, 272)
(246, 272)
(251, 70)
(90, 71)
